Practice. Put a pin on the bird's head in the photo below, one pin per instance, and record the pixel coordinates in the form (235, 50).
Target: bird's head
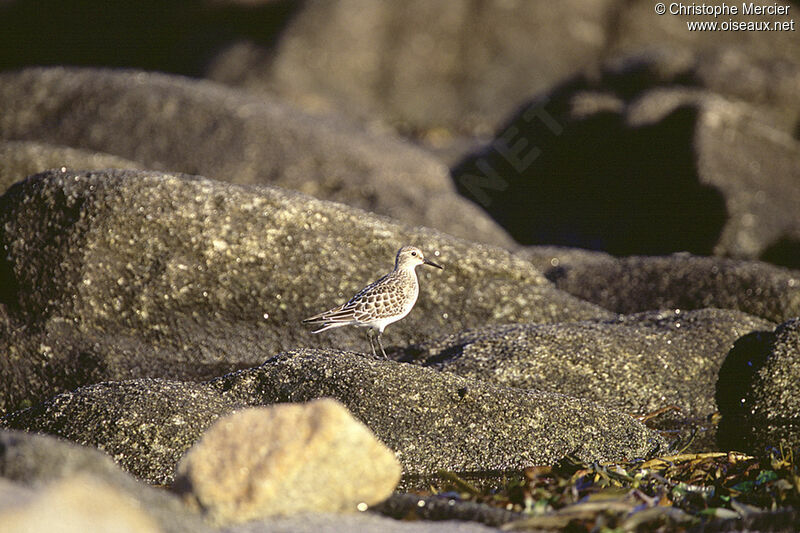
(411, 257)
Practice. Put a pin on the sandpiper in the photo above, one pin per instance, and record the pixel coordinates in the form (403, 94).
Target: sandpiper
(381, 303)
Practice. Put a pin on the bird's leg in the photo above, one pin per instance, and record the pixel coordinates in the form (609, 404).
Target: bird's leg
(381, 345)
(370, 334)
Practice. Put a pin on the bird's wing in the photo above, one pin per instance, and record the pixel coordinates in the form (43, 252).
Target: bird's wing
(347, 311)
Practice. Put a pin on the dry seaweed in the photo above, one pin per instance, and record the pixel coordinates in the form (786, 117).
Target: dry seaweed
(676, 492)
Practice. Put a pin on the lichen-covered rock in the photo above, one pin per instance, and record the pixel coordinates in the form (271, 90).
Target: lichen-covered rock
(112, 275)
(677, 281)
(432, 420)
(180, 125)
(438, 421)
(145, 425)
(20, 159)
(636, 363)
(286, 459)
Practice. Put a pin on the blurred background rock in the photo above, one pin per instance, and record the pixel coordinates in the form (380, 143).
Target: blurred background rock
(670, 140)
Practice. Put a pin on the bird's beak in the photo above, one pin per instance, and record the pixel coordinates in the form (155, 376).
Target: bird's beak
(431, 263)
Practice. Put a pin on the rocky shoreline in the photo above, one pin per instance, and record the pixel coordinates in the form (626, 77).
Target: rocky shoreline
(614, 199)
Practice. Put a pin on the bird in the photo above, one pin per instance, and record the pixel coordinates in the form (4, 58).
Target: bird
(381, 303)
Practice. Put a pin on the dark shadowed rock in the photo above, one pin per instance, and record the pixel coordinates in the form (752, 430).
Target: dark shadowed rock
(20, 159)
(682, 281)
(421, 64)
(599, 164)
(432, 420)
(758, 391)
(410, 506)
(119, 274)
(637, 363)
(176, 124)
(33, 461)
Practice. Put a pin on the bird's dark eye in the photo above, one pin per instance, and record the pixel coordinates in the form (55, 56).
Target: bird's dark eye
(414, 254)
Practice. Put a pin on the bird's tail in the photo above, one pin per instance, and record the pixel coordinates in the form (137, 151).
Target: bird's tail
(332, 318)
(327, 326)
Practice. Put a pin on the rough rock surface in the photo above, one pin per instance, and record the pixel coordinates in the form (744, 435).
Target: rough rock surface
(758, 391)
(636, 363)
(181, 125)
(291, 453)
(598, 164)
(145, 425)
(436, 421)
(432, 420)
(32, 461)
(20, 159)
(120, 274)
(682, 281)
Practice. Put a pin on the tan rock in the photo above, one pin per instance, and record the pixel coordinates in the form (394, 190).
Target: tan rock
(74, 504)
(285, 459)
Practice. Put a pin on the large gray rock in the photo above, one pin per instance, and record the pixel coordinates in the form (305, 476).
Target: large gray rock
(682, 281)
(421, 63)
(181, 125)
(602, 163)
(20, 159)
(758, 391)
(290, 452)
(120, 274)
(432, 420)
(762, 67)
(636, 363)
(145, 425)
(438, 421)
(32, 461)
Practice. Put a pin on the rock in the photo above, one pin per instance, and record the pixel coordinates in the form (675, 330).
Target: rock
(599, 165)
(76, 505)
(289, 460)
(19, 159)
(756, 66)
(637, 363)
(682, 281)
(410, 506)
(432, 420)
(145, 425)
(765, 83)
(13, 495)
(775, 389)
(146, 274)
(29, 462)
(438, 421)
(361, 522)
(738, 151)
(176, 124)
(420, 64)
(758, 391)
